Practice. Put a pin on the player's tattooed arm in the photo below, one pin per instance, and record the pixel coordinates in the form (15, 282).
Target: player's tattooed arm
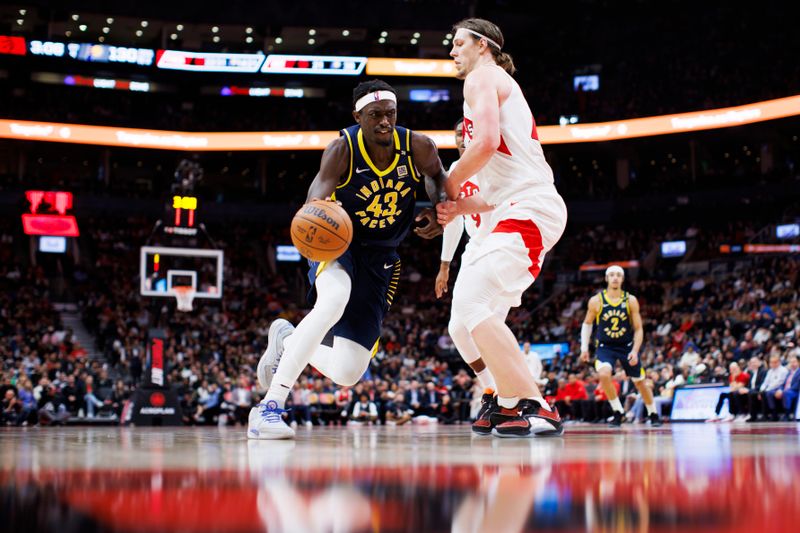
(335, 160)
(426, 158)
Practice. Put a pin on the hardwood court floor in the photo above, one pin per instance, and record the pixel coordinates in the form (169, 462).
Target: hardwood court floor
(686, 477)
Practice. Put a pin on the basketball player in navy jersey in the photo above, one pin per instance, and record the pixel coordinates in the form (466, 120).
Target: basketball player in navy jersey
(618, 337)
(373, 170)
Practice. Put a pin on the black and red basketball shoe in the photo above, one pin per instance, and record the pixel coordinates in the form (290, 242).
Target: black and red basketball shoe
(531, 420)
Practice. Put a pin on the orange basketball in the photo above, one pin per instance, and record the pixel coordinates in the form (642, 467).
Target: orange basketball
(321, 231)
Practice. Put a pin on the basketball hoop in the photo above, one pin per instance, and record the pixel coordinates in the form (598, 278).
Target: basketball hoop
(184, 296)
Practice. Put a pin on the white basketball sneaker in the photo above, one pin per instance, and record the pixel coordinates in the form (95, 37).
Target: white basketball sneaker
(266, 422)
(268, 364)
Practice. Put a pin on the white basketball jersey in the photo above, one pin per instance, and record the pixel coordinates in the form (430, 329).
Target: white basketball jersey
(519, 164)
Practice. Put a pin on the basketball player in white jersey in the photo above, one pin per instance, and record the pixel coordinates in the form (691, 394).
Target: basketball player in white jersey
(522, 217)
(461, 337)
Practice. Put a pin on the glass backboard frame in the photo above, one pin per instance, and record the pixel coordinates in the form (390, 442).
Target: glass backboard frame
(147, 251)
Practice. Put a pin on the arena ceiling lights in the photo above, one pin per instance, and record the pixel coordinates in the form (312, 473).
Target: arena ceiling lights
(317, 140)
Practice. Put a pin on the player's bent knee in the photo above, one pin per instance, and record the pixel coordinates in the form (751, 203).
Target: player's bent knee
(346, 380)
(470, 309)
(352, 361)
(603, 369)
(456, 325)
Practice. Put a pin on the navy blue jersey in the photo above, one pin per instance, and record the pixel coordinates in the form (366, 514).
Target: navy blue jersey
(614, 323)
(380, 202)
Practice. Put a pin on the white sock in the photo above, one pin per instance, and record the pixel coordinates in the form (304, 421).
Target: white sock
(616, 405)
(542, 402)
(508, 403)
(651, 408)
(333, 293)
(277, 394)
(486, 379)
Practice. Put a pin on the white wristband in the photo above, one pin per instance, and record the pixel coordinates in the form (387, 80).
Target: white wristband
(586, 335)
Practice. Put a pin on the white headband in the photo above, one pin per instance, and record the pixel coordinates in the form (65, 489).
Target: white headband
(482, 36)
(374, 96)
(614, 268)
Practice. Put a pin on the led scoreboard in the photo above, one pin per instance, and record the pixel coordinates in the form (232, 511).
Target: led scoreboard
(303, 64)
(182, 213)
(48, 216)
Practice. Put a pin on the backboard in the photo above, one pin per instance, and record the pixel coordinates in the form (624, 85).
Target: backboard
(162, 268)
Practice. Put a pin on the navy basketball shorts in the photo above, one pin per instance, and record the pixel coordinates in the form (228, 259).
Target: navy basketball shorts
(375, 274)
(612, 354)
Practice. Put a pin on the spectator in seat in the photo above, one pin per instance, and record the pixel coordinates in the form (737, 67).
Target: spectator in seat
(789, 391)
(210, 407)
(28, 401)
(413, 398)
(119, 395)
(757, 374)
(569, 397)
(775, 380)
(91, 400)
(364, 411)
(446, 412)
(242, 398)
(11, 409)
(70, 394)
(300, 400)
(690, 358)
(343, 398)
(737, 380)
(430, 400)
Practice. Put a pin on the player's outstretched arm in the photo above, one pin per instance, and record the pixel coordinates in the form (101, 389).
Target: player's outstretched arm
(450, 239)
(426, 157)
(335, 160)
(586, 328)
(448, 210)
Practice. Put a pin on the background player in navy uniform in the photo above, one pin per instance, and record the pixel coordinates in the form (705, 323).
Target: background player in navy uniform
(618, 337)
(373, 170)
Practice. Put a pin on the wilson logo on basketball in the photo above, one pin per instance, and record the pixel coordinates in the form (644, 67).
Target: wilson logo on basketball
(321, 230)
(319, 213)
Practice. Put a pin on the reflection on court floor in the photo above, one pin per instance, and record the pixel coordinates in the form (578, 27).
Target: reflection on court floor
(687, 477)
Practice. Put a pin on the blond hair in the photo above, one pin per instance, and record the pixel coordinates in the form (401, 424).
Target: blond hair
(491, 31)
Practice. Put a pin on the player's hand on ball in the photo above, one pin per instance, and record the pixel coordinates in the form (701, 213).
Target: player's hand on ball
(446, 211)
(584, 357)
(432, 228)
(327, 199)
(441, 281)
(633, 358)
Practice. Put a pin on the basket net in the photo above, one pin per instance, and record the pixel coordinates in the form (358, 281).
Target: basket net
(184, 296)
